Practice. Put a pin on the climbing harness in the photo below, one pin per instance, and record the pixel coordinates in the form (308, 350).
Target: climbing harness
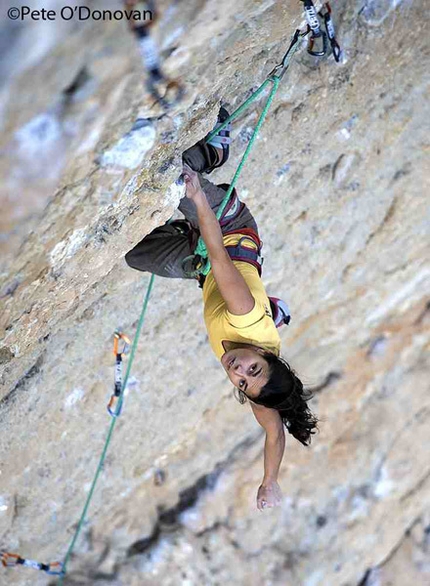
(325, 13)
(244, 253)
(114, 407)
(167, 92)
(314, 28)
(9, 560)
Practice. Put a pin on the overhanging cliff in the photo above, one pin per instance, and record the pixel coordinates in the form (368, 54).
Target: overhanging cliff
(336, 182)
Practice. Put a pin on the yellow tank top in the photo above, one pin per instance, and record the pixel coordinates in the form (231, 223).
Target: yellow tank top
(256, 327)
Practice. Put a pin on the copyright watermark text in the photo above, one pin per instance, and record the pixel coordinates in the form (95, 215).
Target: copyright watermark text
(25, 13)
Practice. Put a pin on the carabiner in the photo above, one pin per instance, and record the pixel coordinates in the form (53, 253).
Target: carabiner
(323, 50)
(331, 32)
(280, 69)
(55, 569)
(112, 406)
(127, 343)
(9, 560)
(166, 92)
(194, 265)
(315, 29)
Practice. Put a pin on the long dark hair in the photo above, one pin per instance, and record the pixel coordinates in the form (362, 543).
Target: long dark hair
(284, 392)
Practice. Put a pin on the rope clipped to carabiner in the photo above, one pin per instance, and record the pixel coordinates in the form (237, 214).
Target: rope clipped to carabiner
(10, 560)
(167, 92)
(280, 69)
(114, 406)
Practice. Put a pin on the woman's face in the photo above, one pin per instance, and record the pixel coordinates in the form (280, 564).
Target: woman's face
(247, 369)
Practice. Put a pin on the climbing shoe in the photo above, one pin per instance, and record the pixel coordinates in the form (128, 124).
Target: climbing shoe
(221, 140)
(280, 312)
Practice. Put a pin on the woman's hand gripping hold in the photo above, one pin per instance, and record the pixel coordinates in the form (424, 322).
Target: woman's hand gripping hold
(192, 183)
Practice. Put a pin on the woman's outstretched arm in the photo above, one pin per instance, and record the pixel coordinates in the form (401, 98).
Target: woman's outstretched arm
(269, 493)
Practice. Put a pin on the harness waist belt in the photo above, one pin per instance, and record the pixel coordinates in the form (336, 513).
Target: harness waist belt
(243, 253)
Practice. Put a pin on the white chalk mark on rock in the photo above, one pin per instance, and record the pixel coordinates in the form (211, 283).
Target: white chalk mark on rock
(175, 193)
(4, 503)
(67, 248)
(132, 385)
(40, 133)
(384, 486)
(75, 396)
(130, 150)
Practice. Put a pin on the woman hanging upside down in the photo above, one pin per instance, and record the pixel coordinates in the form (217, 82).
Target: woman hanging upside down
(240, 318)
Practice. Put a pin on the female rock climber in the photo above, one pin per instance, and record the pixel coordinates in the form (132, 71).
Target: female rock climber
(240, 318)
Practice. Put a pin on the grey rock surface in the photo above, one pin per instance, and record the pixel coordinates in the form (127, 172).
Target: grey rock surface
(337, 182)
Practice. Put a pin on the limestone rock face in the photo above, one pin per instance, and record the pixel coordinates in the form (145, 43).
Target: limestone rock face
(336, 182)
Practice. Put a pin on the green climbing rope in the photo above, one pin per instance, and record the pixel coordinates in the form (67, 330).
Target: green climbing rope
(275, 79)
(201, 249)
(110, 432)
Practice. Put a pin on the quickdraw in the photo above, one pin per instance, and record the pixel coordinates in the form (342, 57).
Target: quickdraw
(167, 92)
(315, 30)
(316, 33)
(9, 560)
(114, 407)
(280, 69)
(325, 13)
